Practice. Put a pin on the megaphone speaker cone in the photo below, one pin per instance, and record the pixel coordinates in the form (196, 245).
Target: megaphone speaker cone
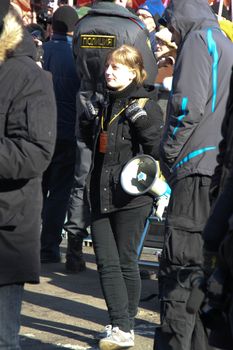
(141, 175)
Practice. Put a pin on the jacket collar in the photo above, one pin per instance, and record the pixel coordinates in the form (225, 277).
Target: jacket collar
(133, 91)
(62, 37)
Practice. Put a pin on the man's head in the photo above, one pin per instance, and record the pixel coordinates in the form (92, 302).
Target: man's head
(183, 16)
(64, 20)
(62, 2)
(4, 7)
(164, 42)
(149, 13)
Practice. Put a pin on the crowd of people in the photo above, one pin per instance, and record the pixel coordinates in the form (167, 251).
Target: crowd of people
(79, 99)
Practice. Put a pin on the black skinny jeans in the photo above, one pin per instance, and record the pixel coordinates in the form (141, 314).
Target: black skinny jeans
(116, 237)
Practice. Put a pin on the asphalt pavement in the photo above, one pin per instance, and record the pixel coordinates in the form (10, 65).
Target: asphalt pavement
(66, 311)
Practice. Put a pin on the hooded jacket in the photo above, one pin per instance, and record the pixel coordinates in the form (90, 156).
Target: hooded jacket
(27, 137)
(199, 92)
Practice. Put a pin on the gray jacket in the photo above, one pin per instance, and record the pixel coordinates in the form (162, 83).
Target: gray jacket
(199, 93)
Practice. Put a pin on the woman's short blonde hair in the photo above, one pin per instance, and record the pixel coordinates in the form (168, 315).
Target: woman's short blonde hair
(130, 57)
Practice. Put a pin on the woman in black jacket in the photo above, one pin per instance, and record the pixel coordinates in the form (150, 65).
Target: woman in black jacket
(120, 130)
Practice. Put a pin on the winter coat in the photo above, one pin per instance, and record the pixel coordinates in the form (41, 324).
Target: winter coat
(221, 219)
(199, 92)
(125, 140)
(27, 137)
(105, 27)
(58, 59)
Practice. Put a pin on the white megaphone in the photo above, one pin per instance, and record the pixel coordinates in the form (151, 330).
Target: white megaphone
(141, 175)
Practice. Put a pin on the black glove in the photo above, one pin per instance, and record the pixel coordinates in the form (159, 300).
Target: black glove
(134, 111)
(91, 104)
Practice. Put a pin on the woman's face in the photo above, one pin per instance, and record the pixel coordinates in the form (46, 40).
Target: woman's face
(118, 76)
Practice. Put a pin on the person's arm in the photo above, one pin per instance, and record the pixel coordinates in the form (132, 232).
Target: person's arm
(188, 97)
(148, 128)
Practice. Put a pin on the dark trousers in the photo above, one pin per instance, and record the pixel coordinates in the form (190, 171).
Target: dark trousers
(180, 264)
(78, 213)
(56, 185)
(116, 237)
(10, 307)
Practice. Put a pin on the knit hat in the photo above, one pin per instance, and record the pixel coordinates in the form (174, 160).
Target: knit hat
(4, 7)
(64, 19)
(154, 7)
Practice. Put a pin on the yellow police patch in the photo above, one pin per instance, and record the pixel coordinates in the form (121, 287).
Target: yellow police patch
(92, 41)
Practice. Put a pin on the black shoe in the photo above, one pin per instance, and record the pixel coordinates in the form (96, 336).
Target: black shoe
(74, 265)
(48, 258)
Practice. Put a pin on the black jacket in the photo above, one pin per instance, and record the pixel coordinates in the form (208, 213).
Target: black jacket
(125, 140)
(27, 137)
(221, 218)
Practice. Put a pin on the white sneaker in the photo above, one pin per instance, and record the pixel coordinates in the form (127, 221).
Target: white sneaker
(117, 340)
(132, 333)
(106, 332)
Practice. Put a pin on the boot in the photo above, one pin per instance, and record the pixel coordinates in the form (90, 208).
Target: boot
(74, 255)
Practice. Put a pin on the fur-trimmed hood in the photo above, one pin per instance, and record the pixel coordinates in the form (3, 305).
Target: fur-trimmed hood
(15, 40)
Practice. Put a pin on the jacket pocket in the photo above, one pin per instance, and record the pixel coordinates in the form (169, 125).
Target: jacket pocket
(182, 247)
(12, 204)
(40, 128)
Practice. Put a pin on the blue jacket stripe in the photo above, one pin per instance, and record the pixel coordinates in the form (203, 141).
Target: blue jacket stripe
(212, 48)
(183, 109)
(193, 154)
